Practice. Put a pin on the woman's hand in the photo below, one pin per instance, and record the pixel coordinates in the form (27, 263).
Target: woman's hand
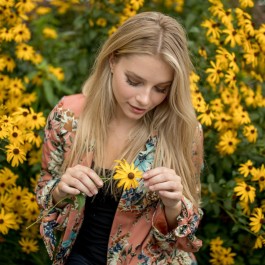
(167, 184)
(75, 180)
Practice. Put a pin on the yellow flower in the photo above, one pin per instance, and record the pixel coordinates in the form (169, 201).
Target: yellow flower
(9, 63)
(29, 202)
(42, 10)
(25, 6)
(251, 133)
(24, 52)
(16, 136)
(257, 220)
(216, 243)
(57, 72)
(49, 33)
(137, 3)
(102, 22)
(222, 121)
(233, 37)
(246, 168)
(15, 154)
(246, 3)
(7, 3)
(7, 179)
(258, 174)
(29, 245)
(228, 143)
(241, 117)
(6, 201)
(206, 117)
(6, 34)
(260, 241)
(3, 132)
(245, 192)
(35, 120)
(214, 73)
(222, 256)
(7, 221)
(34, 137)
(127, 175)
(21, 33)
(212, 28)
(245, 207)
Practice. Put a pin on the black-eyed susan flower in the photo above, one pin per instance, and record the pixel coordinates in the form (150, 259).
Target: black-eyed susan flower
(246, 3)
(25, 6)
(241, 117)
(21, 33)
(206, 117)
(216, 243)
(43, 10)
(28, 245)
(6, 201)
(245, 207)
(260, 242)
(57, 72)
(36, 120)
(9, 63)
(7, 3)
(257, 220)
(101, 22)
(127, 175)
(215, 73)
(7, 221)
(34, 138)
(24, 52)
(6, 34)
(228, 143)
(49, 33)
(16, 136)
(247, 193)
(258, 174)
(15, 154)
(137, 3)
(251, 133)
(212, 27)
(246, 168)
(29, 202)
(222, 121)
(222, 256)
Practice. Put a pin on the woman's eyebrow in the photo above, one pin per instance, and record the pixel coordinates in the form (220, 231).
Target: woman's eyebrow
(139, 78)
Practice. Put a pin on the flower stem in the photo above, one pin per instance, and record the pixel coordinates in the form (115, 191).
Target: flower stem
(45, 214)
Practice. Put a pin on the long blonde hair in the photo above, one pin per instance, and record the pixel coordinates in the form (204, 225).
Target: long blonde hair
(174, 120)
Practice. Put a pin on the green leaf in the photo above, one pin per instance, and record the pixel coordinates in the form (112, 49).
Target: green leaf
(81, 199)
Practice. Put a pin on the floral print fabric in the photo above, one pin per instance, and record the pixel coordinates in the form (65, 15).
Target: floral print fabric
(139, 233)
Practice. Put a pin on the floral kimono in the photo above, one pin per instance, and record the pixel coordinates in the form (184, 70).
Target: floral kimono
(139, 233)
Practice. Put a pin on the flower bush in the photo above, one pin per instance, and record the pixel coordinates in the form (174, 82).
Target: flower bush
(47, 49)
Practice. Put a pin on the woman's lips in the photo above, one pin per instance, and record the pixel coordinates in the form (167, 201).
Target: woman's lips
(137, 110)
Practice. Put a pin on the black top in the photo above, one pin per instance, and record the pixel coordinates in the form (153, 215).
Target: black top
(92, 240)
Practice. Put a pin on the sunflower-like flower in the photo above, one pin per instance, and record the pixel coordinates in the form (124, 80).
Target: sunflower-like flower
(127, 175)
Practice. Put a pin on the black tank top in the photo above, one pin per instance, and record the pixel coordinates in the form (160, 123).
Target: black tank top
(92, 240)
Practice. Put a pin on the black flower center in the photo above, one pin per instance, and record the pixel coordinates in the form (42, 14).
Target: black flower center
(131, 175)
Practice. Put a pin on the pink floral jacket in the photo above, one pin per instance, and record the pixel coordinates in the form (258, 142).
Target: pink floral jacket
(139, 233)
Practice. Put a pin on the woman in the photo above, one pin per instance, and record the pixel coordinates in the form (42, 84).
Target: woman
(135, 106)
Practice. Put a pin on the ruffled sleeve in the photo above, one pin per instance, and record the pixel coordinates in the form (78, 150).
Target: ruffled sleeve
(183, 235)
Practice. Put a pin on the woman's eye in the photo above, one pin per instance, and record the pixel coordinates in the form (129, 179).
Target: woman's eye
(161, 90)
(131, 83)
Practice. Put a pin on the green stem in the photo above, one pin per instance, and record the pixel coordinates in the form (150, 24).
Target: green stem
(45, 214)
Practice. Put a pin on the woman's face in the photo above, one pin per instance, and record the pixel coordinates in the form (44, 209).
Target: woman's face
(139, 83)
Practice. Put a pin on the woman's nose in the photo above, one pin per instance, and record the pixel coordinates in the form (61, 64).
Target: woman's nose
(143, 97)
